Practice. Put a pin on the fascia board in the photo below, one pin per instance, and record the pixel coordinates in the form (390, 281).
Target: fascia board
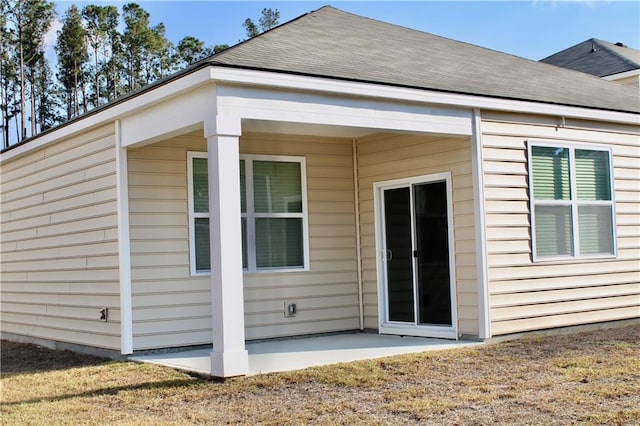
(622, 75)
(321, 84)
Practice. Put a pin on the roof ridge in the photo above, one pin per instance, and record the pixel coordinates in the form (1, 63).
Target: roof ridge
(240, 43)
(604, 45)
(476, 46)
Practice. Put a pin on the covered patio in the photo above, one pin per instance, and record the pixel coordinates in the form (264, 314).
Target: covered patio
(299, 353)
(334, 284)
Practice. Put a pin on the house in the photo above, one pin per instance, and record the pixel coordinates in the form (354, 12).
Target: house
(335, 173)
(614, 62)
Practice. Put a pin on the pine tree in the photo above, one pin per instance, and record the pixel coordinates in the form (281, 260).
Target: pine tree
(114, 68)
(158, 55)
(135, 39)
(269, 18)
(30, 20)
(100, 24)
(47, 107)
(8, 74)
(251, 28)
(71, 48)
(218, 48)
(190, 50)
(40, 15)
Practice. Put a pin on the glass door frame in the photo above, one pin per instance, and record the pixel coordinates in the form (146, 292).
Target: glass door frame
(404, 328)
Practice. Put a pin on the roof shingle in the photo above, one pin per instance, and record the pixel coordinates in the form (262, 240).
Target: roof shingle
(596, 57)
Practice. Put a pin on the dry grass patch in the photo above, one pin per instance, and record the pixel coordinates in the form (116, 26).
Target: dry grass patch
(590, 378)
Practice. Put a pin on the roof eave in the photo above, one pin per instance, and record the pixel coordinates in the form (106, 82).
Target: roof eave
(468, 96)
(206, 72)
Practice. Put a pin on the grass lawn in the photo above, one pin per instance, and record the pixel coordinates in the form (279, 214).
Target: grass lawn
(587, 378)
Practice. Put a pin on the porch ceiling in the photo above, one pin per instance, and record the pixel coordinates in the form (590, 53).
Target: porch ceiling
(285, 128)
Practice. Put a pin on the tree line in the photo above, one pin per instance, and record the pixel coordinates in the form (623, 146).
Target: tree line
(102, 53)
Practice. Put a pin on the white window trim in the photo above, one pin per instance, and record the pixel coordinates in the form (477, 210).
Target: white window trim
(574, 203)
(250, 214)
(192, 214)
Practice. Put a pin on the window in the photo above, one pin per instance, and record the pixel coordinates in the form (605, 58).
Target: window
(273, 213)
(571, 201)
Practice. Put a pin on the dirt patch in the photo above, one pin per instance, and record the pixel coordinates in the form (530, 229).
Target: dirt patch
(23, 357)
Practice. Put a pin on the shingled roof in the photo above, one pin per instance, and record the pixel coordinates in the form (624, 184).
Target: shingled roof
(335, 44)
(596, 57)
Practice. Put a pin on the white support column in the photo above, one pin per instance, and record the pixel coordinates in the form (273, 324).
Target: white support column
(124, 246)
(229, 357)
(484, 311)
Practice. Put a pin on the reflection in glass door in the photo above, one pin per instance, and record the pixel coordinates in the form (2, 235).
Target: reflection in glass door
(399, 258)
(432, 253)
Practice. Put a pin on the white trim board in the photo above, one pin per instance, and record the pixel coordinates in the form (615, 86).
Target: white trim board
(484, 310)
(124, 245)
(621, 75)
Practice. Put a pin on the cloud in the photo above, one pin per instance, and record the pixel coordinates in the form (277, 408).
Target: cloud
(51, 36)
(49, 41)
(553, 3)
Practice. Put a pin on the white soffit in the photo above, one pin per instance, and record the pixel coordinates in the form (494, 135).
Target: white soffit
(178, 115)
(259, 126)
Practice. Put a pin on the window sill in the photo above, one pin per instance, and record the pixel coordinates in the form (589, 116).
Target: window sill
(257, 271)
(274, 271)
(572, 259)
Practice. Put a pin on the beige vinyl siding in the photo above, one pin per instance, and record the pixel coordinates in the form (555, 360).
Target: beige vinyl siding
(169, 307)
(633, 80)
(172, 308)
(525, 295)
(59, 248)
(386, 157)
(326, 295)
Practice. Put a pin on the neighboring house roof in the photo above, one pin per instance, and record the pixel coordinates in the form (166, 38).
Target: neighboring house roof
(597, 57)
(335, 44)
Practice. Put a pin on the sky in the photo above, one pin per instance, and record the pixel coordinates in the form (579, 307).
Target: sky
(533, 29)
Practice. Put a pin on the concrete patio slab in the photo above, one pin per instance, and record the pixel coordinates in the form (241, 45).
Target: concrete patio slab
(299, 353)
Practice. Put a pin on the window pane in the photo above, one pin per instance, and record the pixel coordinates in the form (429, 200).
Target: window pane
(244, 242)
(279, 242)
(553, 231)
(203, 258)
(550, 167)
(243, 188)
(277, 187)
(595, 229)
(200, 186)
(592, 175)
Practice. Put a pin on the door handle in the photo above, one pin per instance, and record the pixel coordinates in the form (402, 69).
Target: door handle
(389, 255)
